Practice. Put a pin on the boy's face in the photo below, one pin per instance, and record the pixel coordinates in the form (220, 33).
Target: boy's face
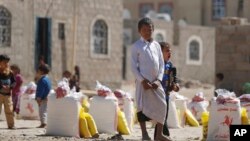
(166, 51)
(146, 31)
(4, 64)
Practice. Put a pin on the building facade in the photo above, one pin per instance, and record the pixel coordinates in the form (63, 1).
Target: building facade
(64, 33)
(233, 55)
(194, 12)
(207, 36)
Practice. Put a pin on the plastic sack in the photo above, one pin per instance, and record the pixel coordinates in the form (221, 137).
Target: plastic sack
(62, 89)
(244, 117)
(198, 97)
(31, 88)
(102, 90)
(204, 121)
(122, 124)
(87, 126)
(191, 120)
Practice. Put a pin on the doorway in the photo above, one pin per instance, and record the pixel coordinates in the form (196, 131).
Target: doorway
(43, 41)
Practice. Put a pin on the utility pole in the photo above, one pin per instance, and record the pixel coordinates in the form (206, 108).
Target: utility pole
(75, 19)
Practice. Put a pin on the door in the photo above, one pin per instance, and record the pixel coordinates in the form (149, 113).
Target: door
(43, 42)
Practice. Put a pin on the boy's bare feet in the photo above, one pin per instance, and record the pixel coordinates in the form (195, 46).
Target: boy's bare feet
(12, 128)
(42, 126)
(146, 137)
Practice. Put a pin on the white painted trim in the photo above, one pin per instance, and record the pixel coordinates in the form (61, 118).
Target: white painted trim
(160, 31)
(92, 54)
(188, 60)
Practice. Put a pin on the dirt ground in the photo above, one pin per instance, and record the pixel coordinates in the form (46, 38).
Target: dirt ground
(27, 131)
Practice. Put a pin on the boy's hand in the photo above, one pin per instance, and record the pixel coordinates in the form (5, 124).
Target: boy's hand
(5, 88)
(146, 84)
(176, 87)
(156, 84)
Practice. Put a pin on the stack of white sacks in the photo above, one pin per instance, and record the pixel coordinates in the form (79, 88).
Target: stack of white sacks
(63, 111)
(198, 105)
(177, 108)
(245, 102)
(126, 104)
(104, 110)
(225, 110)
(28, 104)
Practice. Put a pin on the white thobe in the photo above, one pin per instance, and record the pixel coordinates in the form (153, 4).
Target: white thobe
(147, 63)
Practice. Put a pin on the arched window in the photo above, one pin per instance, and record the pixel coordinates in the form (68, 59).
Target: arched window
(194, 51)
(100, 37)
(159, 37)
(5, 27)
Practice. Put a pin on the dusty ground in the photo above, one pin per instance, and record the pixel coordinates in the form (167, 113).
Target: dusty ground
(26, 128)
(27, 131)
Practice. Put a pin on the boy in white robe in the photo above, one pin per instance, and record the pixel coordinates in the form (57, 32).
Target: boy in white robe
(147, 65)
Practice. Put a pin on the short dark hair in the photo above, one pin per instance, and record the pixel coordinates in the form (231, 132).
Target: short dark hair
(220, 76)
(44, 68)
(145, 21)
(66, 72)
(164, 44)
(15, 67)
(4, 57)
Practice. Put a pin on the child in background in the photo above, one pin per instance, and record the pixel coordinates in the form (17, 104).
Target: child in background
(7, 82)
(169, 81)
(42, 91)
(16, 91)
(66, 76)
(75, 80)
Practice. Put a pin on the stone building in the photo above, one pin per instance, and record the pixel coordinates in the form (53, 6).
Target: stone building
(202, 46)
(233, 54)
(64, 33)
(194, 12)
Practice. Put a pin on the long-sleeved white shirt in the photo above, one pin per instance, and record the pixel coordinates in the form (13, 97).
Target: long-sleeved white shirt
(147, 60)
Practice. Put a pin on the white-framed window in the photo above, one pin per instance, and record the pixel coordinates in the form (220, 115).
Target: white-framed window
(5, 27)
(194, 51)
(218, 9)
(166, 8)
(145, 8)
(99, 37)
(159, 35)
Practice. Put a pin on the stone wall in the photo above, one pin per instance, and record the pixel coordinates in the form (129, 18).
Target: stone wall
(78, 17)
(233, 54)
